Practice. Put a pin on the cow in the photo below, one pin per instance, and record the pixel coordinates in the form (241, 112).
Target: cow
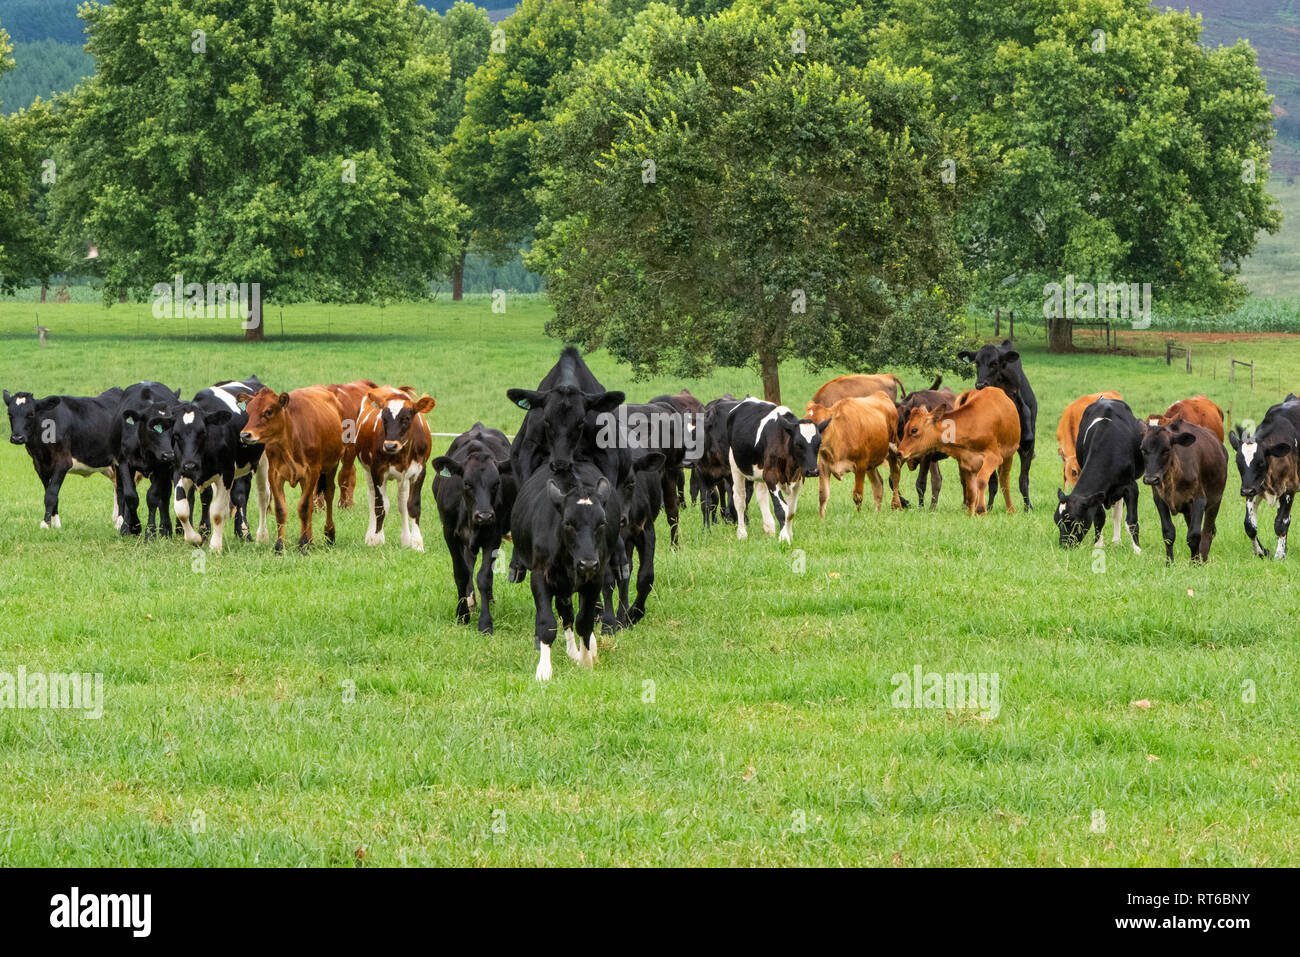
(981, 431)
(637, 428)
(642, 496)
(350, 396)
(302, 432)
(928, 466)
(860, 437)
(1067, 432)
(475, 491)
(132, 454)
(209, 457)
(62, 434)
(711, 476)
(1197, 410)
(393, 442)
(1187, 468)
(691, 411)
(1109, 449)
(1268, 460)
(769, 445)
(565, 525)
(999, 367)
(856, 387)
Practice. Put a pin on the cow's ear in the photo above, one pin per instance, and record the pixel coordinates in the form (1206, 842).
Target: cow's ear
(966, 355)
(45, 404)
(526, 399)
(1279, 449)
(425, 403)
(1009, 357)
(653, 462)
(284, 398)
(1182, 438)
(220, 417)
(821, 426)
(602, 490)
(1060, 496)
(604, 401)
(7, 396)
(178, 394)
(1005, 343)
(555, 493)
(1234, 438)
(446, 466)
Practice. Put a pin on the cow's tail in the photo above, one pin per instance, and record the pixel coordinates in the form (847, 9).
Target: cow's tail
(938, 381)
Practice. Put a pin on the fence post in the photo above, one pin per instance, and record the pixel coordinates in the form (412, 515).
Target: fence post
(1189, 360)
(1232, 369)
(1011, 326)
(997, 321)
(1169, 355)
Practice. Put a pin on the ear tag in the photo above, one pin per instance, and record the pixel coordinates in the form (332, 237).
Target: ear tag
(444, 472)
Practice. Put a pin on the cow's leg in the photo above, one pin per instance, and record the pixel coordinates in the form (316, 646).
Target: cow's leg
(117, 510)
(985, 476)
(1209, 526)
(1252, 525)
(921, 474)
(877, 487)
(375, 489)
(1116, 512)
(461, 571)
(329, 480)
(484, 584)
(413, 514)
(895, 483)
(262, 476)
(936, 481)
(1167, 530)
(564, 611)
(1282, 523)
(306, 506)
(128, 498)
(764, 495)
(1004, 474)
(156, 501)
(790, 493)
(403, 515)
(738, 481)
(1026, 459)
(205, 519)
(991, 483)
(220, 512)
(645, 573)
(52, 486)
(281, 511)
(1195, 516)
(823, 488)
(544, 626)
(672, 502)
(239, 490)
(588, 599)
(184, 506)
(347, 476)
(1131, 516)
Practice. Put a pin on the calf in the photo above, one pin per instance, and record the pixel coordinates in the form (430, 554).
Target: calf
(859, 436)
(133, 454)
(981, 431)
(1110, 452)
(62, 434)
(565, 527)
(928, 466)
(857, 386)
(302, 432)
(350, 395)
(1268, 460)
(394, 442)
(1186, 467)
(1067, 432)
(1197, 410)
(659, 426)
(711, 476)
(642, 496)
(475, 491)
(769, 445)
(999, 367)
(691, 411)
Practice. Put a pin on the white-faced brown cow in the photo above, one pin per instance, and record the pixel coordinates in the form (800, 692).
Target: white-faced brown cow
(394, 442)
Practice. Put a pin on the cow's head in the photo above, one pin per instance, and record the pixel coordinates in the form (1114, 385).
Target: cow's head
(816, 413)
(1158, 443)
(995, 366)
(479, 480)
(564, 411)
(1266, 461)
(397, 414)
(135, 408)
(1076, 513)
(154, 435)
(267, 417)
(22, 416)
(922, 432)
(583, 528)
(190, 434)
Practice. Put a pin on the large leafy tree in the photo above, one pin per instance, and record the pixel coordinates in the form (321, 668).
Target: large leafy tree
(715, 196)
(1115, 147)
(286, 142)
(13, 180)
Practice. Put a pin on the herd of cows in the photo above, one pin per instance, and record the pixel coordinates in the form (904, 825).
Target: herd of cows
(578, 500)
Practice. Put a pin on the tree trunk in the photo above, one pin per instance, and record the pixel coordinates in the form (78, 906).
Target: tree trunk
(770, 370)
(45, 288)
(254, 325)
(121, 298)
(1059, 337)
(458, 277)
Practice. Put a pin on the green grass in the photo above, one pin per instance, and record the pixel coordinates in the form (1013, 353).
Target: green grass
(224, 686)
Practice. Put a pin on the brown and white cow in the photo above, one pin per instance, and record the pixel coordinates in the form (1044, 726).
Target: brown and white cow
(302, 431)
(859, 438)
(1197, 410)
(1067, 433)
(350, 396)
(1187, 469)
(394, 442)
(982, 432)
(856, 386)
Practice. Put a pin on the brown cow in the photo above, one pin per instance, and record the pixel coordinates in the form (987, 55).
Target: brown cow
(1067, 433)
(930, 398)
(350, 396)
(1195, 411)
(858, 438)
(302, 431)
(393, 442)
(856, 386)
(982, 432)
(1187, 469)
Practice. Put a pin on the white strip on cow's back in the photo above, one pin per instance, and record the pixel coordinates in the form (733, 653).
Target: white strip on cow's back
(226, 397)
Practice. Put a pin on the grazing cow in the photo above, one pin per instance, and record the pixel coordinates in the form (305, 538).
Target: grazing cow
(1197, 410)
(1110, 452)
(859, 437)
(770, 446)
(642, 497)
(711, 476)
(65, 433)
(350, 396)
(999, 367)
(565, 526)
(131, 458)
(475, 492)
(1067, 432)
(210, 458)
(1187, 468)
(857, 387)
(928, 466)
(1268, 461)
(302, 432)
(981, 431)
(393, 442)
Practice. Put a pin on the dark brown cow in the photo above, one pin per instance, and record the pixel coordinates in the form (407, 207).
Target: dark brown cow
(302, 431)
(927, 467)
(350, 396)
(1197, 410)
(1187, 468)
(393, 442)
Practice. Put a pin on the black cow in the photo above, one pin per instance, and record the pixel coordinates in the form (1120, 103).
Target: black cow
(1268, 461)
(711, 476)
(769, 445)
(691, 410)
(1110, 457)
(642, 497)
(135, 455)
(65, 433)
(475, 491)
(999, 367)
(565, 526)
(654, 426)
(1187, 467)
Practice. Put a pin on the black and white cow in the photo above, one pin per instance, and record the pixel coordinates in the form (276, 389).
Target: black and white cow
(772, 447)
(207, 452)
(62, 434)
(1109, 450)
(999, 367)
(565, 526)
(1268, 460)
(135, 455)
(475, 491)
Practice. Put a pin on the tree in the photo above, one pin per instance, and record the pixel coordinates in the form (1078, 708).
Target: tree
(12, 178)
(712, 196)
(284, 142)
(1116, 149)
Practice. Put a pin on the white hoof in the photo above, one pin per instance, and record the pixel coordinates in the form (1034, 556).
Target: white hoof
(374, 538)
(769, 529)
(571, 646)
(742, 534)
(58, 522)
(44, 524)
(470, 600)
(263, 535)
(117, 521)
(595, 648)
(544, 664)
(786, 535)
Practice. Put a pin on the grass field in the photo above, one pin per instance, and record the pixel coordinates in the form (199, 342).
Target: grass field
(767, 735)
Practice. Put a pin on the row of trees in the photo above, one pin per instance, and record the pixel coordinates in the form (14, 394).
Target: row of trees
(700, 182)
